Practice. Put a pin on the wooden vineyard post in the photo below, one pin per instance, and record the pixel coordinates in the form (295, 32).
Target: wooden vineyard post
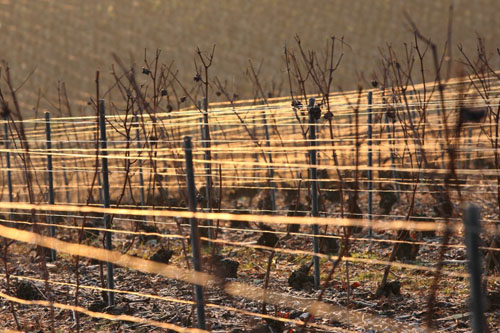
(472, 240)
(106, 199)
(314, 189)
(195, 235)
(50, 181)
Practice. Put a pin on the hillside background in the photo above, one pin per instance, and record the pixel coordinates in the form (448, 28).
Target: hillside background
(69, 40)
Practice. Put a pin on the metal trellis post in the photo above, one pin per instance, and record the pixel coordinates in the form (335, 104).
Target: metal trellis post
(393, 158)
(370, 162)
(314, 190)
(106, 199)
(195, 236)
(9, 174)
(472, 232)
(139, 161)
(270, 159)
(65, 177)
(208, 166)
(50, 181)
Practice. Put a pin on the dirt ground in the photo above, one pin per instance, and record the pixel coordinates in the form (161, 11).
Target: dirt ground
(353, 285)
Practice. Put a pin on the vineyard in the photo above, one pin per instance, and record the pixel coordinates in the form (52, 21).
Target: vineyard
(368, 210)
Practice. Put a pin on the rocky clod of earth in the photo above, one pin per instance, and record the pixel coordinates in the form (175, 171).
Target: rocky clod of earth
(204, 233)
(493, 301)
(328, 245)
(330, 190)
(249, 191)
(271, 326)
(419, 217)
(150, 229)
(300, 279)
(90, 233)
(122, 307)
(224, 268)
(354, 212)
(443, 207)
(27, 290)
(98, 306)
(289, 193)
(267, 238)
(162, 256)
(295, 210)
(264, 202)
(215, 197)
(331, 194)
(492, 257)
(43, 251)
(392, 288)
(240, 224)
(407, 251)
(387, 198)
